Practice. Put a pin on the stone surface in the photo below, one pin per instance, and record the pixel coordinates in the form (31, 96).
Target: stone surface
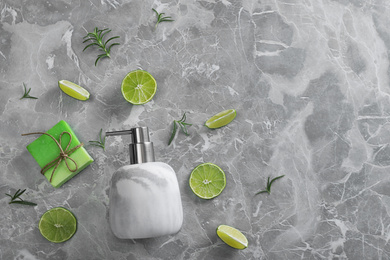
(309, 81)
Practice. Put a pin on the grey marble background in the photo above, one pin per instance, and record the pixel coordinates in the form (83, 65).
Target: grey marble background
(309, 81)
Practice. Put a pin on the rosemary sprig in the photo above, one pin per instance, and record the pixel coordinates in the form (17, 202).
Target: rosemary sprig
(27, 92)
(18, 200)
(97, 39)
(183, 126)
(101, 142)
(160, 18)
(268, 188)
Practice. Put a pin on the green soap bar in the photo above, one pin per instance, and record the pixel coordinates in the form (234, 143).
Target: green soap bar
(44, 150)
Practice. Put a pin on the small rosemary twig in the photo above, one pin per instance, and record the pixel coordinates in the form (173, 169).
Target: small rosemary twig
(183, 126)
(18, 200)
(27, 92)
(101, 142)
(268, 188)
(160, 18)
(97, 39)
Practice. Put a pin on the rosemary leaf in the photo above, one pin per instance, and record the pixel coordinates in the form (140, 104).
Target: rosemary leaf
(23, 202)
(20, 193)
(263, 191)
(273, 181)
(173, 132)
(183, 128)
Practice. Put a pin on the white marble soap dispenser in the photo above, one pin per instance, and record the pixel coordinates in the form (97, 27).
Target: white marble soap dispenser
(144, 197)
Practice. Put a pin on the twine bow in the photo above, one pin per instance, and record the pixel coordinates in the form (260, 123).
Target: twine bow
(64, 154)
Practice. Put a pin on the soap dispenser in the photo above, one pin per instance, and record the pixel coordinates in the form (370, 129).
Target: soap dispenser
(144, 197)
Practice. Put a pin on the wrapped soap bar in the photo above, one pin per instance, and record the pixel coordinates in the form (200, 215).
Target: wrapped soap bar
(59, 153)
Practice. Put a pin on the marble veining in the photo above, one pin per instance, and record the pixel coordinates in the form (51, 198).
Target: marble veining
(309, 81)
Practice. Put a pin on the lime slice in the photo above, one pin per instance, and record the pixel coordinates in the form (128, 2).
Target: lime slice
(73, 90)
(138, 87)
(232, 237)
(58, 225)
(221, 119)
(207, 180)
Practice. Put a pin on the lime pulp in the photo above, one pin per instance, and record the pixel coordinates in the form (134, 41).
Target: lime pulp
(138, 87)
(232, 237)
(58, 225)
(207, 180)
(73, 90)
(221, 119)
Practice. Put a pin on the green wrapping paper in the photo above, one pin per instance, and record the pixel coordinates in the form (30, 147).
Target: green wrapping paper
(44, 150)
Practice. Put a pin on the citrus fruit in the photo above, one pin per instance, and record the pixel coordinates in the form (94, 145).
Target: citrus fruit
(207, 180)
(73, 90)
(138, 87)
(221, 119)
(58, 225)
(233, 237)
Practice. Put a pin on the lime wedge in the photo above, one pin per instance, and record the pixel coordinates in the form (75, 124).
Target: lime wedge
(207, 180)
(221, 119)
(73, 90)
(138, 87)
(232, 237)
(58, 225)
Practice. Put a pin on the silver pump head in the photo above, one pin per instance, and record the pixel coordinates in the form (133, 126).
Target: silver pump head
(141, 149)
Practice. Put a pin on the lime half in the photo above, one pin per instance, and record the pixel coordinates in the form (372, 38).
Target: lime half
(138, 87)
(58, 225)
(207, 180)
(73, 90)
(221, 119)
(233, 237)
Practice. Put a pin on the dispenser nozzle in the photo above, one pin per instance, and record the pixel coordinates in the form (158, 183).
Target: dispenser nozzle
(141, 149)
(124, 132)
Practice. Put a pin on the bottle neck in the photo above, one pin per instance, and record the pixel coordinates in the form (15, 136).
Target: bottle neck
(141, 153)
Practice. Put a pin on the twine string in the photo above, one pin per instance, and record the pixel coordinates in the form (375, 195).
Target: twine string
(63, 155)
